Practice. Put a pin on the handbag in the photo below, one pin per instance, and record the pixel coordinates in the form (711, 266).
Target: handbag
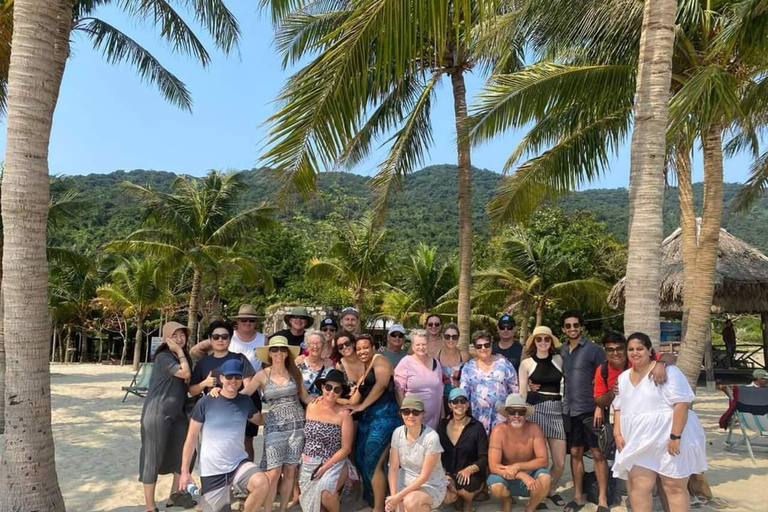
(605, 440)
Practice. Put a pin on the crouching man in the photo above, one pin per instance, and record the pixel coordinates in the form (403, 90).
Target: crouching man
(517, 457)
(223, 460)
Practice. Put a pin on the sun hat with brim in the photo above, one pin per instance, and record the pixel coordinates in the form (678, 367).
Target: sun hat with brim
(334, 376)
(246, 311)
(412, 402)
(514, 400)
(759, 374)
(542, 330)
(275, 341)
(300, 312)
(456, 393)
(232, 367)
(171, 327)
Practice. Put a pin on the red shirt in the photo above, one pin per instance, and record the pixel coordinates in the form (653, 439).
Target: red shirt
(600, 388)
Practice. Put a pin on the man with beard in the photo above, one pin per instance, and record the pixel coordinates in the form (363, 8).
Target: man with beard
(517, 457)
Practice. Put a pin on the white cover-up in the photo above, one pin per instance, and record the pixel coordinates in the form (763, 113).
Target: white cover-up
(646, 422)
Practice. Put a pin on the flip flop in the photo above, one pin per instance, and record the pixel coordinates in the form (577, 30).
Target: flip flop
(572, 506)
(542, 506)
(719, 503)
(183, 499)
(557, 500)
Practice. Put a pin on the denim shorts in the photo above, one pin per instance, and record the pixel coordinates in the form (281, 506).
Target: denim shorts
(516, 487)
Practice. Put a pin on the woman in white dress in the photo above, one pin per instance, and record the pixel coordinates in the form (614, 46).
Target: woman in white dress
(656, 432)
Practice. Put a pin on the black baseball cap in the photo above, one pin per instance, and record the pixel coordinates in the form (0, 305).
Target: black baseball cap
(506, 319)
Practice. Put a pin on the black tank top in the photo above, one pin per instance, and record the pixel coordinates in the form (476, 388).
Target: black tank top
(546, 375)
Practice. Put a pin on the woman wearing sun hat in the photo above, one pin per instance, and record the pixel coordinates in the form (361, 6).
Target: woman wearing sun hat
(282, 387)
(542, 369)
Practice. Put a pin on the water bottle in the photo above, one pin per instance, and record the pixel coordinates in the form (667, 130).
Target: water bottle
(192, 489)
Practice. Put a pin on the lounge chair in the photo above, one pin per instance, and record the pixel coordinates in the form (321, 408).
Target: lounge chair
(140, 383)
(748, 411)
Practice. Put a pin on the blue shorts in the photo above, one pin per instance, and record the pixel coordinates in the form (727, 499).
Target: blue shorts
(516, 487)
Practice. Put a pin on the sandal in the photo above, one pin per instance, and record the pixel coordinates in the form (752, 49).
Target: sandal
(542, 506)
(572, 506)
(600, 508)
(183, 499)
(557, 500)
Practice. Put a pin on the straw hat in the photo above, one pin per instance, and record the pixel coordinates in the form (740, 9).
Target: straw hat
(542, 329)
(301, 312)
(275, 341)
(171, 327)
(246, 311)
(514, 400)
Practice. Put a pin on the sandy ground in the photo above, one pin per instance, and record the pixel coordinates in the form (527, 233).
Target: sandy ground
(97, 447)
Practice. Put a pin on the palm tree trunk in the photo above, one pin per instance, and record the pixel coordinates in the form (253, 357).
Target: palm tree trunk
(698, 299)
(359, 302)
(465, 204)
(2, 363)
(137, 342)
(215, 302)
(646, 178)
(194, 306)
(41, 30)
(688, 228)
(539, 313)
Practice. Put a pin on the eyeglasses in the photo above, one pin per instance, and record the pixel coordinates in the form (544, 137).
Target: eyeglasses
(346, 344)
(397, 335)
(516, 412)
(247, 320)
(433, 324)
(453, 337)
(274, 350)
(332, 389)
(232, 377)
(506, 327)
(217, 337)
(616, 350)
(410, 412)
(459, 401)
(542, 339)
(479, 346)
(572, 326)
(329, 329)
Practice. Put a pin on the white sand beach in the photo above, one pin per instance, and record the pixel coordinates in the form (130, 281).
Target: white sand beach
(97, 447)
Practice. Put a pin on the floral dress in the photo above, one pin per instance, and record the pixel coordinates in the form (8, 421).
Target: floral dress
(488, 389)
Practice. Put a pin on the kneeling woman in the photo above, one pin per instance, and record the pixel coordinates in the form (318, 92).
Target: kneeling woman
(657, 435)
(415, 469)
(328, 430)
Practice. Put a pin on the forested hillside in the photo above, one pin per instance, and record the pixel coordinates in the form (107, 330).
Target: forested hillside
(424, 211)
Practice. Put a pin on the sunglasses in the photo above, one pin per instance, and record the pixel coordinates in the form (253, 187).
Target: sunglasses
(479, 346)
(459, 401)
(506, 327)
(329, 329)
(410, 412)
(453, 337)
(397, 335)
(611, 350)
(217, 337)
(433, 324)
(546, 339)
(332, 389)
(346, 344)
(516, 412)
(232, 377)
(274, 350)
(247, 320)
(572, 326)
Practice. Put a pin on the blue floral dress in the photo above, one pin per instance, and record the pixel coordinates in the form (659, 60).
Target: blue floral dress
(487, 389)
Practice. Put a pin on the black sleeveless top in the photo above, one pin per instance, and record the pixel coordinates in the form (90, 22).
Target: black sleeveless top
(546, 375)
(370, 380)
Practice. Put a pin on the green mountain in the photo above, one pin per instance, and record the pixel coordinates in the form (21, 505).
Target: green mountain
(425, 210)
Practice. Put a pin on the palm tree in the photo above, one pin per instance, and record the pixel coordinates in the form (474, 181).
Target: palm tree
(358, 260)
(374, 69)
(197, 224)
(533, 274)
(137, 288)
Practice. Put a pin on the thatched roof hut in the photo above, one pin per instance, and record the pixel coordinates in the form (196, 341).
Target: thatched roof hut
(741, 277)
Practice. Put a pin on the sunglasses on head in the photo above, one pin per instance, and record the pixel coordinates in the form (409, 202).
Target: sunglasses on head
(232, 377)
(216, 337)
(247, 320)
(329, 329)
(479, 346)
(275, 350)
(511, 411)
(397, 335)
(332, 389)
(459, 401)
(410, 412)
(433, 324)
(506, 327)
(575, 325)
(453, 337)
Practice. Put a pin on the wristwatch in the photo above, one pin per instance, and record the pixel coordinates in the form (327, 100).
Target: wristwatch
(674, 437)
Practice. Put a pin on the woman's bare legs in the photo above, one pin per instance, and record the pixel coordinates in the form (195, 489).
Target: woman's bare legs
(557, 447)
(640, 483)
(676, 490)
(379, 483)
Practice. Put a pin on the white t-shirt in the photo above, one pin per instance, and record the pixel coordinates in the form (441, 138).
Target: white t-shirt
(248, 349)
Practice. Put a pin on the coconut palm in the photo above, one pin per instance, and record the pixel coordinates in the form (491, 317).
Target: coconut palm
(358, 260)
(374, 67)
(533, 274)
(196, 224)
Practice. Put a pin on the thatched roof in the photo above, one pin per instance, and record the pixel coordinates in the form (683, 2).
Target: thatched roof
(741, 277)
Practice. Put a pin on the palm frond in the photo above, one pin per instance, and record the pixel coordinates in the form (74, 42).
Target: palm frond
(755, 186)
(219, 21)
(305, 31)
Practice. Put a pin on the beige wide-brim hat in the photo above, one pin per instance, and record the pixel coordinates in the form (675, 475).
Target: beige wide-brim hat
(246, 311)
(514, 400)
(171, 327)
(542, 329)
(275, 341)
(301, 312)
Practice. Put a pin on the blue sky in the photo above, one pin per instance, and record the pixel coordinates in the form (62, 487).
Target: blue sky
(107, 119)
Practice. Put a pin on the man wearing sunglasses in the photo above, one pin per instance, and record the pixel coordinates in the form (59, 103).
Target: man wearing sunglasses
(223, 461)
(394, 348)
(206, 374)
(244, 340)
(517, 457)
(507, 345)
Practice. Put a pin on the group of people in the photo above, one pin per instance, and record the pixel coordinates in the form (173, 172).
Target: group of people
(418, 427)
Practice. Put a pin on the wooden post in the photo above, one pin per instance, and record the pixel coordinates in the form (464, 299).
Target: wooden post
(764, 325)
